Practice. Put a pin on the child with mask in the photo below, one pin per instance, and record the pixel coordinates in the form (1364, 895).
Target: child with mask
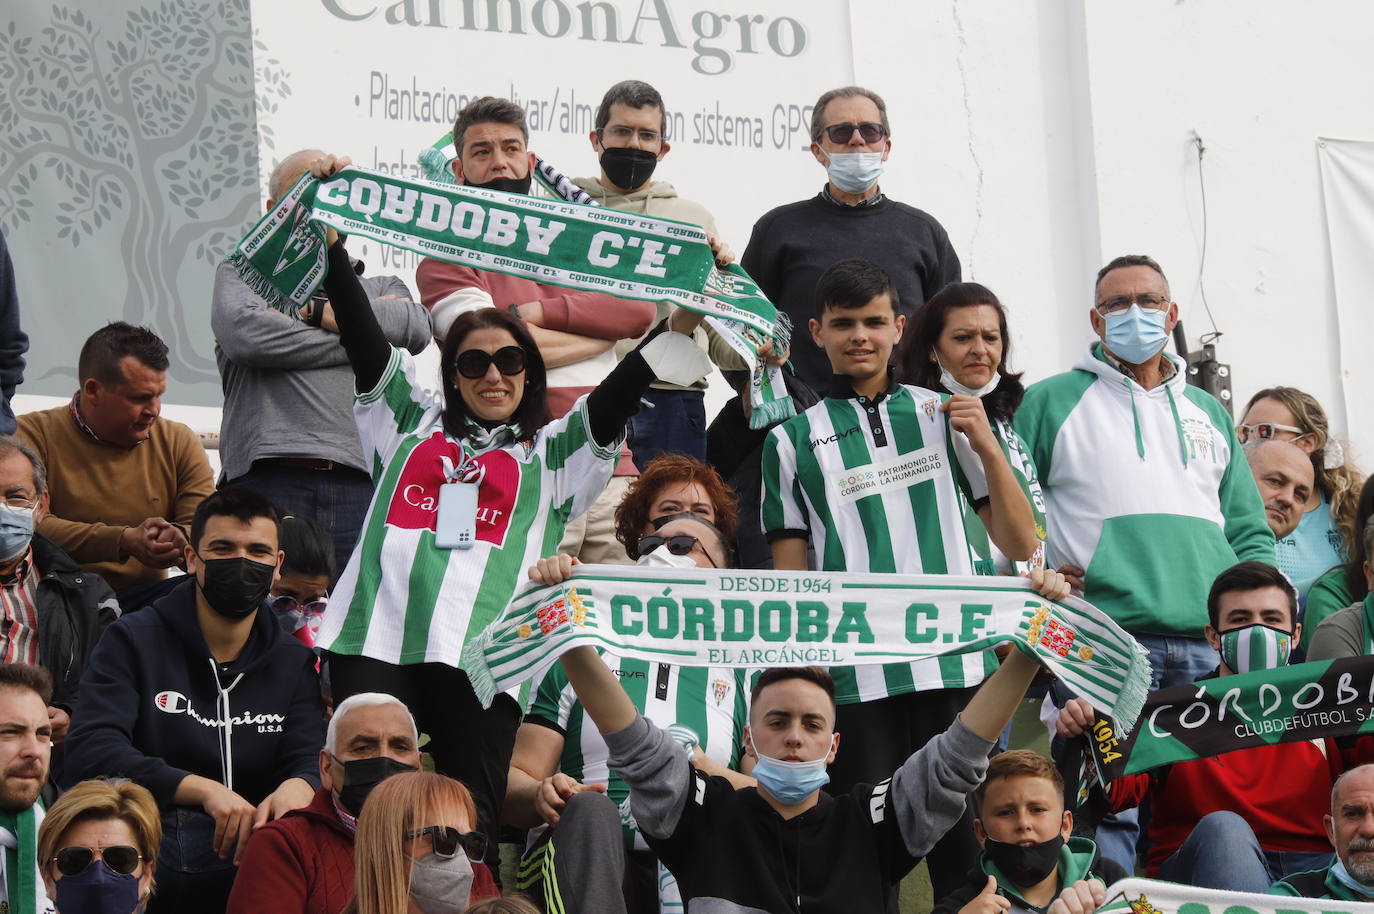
(1029, 858)
(1242, 820)
(300, 594)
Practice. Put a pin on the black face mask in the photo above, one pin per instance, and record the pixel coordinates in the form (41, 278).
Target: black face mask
(235, 587)
(628, 168)
(361, 775)
(506, 185)
(1024, 866)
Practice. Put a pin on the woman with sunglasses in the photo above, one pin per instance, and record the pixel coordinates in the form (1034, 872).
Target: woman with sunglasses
(472, 486)
(957, 342)
(673, 484)
(97, 848)
(1325, 535)
(418, 850)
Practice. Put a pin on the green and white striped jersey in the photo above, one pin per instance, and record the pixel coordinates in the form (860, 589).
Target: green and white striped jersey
(709, 703)
(990, 559)
(880, 486)
(401, 599)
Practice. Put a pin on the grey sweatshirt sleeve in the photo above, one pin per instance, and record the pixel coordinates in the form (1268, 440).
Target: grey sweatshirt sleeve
(254, 335)
(931, 787)
(658, 773)
(404, 321)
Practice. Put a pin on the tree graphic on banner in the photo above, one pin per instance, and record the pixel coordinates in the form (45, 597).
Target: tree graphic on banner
(151, 133)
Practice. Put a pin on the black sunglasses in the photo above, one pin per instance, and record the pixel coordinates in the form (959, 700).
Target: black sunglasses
(678, 544)
(121, 859)
(869, 132)
(448, 839)
(473, 363)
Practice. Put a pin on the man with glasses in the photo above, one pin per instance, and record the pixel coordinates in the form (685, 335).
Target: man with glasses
(25, 752)
(1147, 492)
(793, 245)
(575, 330)
(630, 139)
(585, 850)
(303, 862)
(53, 611)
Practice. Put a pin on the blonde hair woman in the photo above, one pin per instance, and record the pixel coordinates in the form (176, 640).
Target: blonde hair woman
(418, 850)
(1325, 537)
(97, 848)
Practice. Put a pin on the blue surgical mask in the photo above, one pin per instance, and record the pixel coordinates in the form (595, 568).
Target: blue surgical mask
(16, 530)
(1135, 335)
(790, 782)
(854, 172)
(97, 890)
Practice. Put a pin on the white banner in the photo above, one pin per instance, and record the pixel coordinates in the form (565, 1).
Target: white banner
(1347, 168)
(381, 80)
(1148, 896)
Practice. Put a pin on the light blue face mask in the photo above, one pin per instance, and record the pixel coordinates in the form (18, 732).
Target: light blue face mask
(1136, 336)
(790, 782)
(854, 172)
(16, 530)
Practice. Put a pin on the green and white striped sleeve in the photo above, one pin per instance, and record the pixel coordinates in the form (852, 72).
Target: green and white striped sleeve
(395, 408)
(782, 505)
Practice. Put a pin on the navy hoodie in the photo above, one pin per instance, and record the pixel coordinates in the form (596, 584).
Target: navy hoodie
(155, 706)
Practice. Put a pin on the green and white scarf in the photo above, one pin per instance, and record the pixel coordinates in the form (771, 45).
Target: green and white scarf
(19, 836)
(1316, 700)
(590, 248)
(1149, 896)
(701, 617)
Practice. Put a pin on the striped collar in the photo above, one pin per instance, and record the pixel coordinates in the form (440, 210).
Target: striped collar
(74, 408)
(349, 822)
(842, 387)
(828, 197)
(20, 574)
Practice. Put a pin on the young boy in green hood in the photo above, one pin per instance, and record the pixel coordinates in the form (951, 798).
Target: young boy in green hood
(1029, 861)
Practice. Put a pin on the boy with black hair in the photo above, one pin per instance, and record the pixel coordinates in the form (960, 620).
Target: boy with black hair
(300, 594)
(879, 476)
(205, 701)
(1030, 856)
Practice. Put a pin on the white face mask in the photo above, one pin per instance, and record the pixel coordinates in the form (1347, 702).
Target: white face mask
(854, 172)
(954, 387)
(662, 558)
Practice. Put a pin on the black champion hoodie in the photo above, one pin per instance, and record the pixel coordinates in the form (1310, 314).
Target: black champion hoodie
(155, 706)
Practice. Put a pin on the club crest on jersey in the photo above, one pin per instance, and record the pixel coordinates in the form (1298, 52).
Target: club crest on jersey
(415, 503)
(720, 688)
(930, 406)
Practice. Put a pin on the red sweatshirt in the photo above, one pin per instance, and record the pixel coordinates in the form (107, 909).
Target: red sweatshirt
(449, 290)
(1282, 791)
(303, 862)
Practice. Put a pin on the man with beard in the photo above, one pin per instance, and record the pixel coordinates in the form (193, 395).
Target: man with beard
(25, 748)
(1350, 828)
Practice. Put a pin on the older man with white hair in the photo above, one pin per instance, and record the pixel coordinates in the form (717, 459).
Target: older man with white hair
(288, 431)
(303, 861)
(1350, 828)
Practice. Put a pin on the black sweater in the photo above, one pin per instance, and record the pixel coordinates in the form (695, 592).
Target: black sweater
(155, 706)
(794, 244)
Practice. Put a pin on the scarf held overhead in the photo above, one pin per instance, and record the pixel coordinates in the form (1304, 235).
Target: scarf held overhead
(588, 248)
(1321, 699)
(701, 617)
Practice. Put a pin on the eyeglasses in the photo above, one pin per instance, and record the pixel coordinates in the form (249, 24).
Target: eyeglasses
(120, 859)
(622, 134)
(473, 363)
(1118, 303)
(678, 544)
(21, 502)
(869, 132)
(448, 839)
(1265, 431)
(283, 603)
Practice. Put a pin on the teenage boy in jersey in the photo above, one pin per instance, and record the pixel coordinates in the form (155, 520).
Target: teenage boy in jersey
(1243, 819)
(786, 845)
(823, 478)
(203, 699)
(1030, 855)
